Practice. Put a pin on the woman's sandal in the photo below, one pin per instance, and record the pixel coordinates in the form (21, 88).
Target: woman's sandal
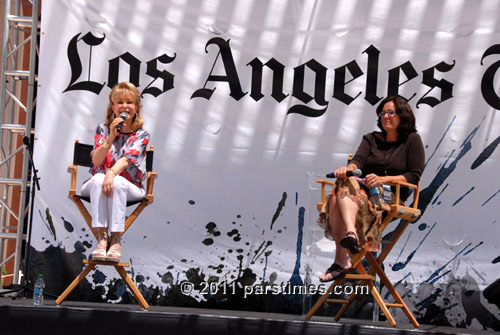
(350, 242)
(99, 254)
(114, 252)
(335, 271)
(113, 255)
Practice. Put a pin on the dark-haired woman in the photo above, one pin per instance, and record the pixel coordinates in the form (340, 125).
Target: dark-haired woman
(396, 153)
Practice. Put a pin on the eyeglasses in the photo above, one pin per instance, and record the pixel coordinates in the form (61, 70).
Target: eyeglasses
(389, 113)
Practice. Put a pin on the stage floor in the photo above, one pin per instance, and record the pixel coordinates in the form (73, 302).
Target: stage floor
(21, 317)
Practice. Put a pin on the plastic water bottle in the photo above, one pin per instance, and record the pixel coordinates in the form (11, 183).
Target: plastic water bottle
(38, 291)
(376, 196)
(387, 194)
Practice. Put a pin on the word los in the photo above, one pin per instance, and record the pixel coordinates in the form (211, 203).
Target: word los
(352, 70)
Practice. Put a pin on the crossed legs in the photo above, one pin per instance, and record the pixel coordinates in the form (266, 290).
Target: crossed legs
(342, 212)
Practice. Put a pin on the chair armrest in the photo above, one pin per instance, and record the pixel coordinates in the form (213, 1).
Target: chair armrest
(325, 182)
(406, 184)
(323, 190)
(416, 190)
(151, 176)
(73, 169)
(398, 184)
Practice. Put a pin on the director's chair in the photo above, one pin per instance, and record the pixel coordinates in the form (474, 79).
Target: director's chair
(81, 157)
(367, 275)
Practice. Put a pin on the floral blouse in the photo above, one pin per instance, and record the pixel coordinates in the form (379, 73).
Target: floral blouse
(131, 145)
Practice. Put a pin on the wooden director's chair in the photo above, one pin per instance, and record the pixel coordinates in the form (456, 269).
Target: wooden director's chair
(367, 275)
(81, 157)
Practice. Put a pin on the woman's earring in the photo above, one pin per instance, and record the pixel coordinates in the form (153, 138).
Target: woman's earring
(135, 117)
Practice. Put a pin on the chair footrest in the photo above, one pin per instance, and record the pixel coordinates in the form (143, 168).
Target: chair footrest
(388, 304)
(359, 277)
(89, 261)
(337, 301)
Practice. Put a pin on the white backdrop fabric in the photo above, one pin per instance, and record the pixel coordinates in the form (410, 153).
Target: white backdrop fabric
(234, 194)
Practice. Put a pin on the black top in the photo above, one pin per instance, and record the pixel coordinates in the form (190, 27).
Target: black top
(403, 157)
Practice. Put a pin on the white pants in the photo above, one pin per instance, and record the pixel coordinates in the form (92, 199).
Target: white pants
(110, 212)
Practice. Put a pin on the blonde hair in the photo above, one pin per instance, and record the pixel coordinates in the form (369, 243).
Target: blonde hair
(125, 89)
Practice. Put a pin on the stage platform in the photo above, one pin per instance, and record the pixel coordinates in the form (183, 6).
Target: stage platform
(21, 317)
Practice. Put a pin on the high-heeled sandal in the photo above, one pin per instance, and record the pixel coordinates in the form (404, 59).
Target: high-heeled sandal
(114, 252)
(335, 271)
(99, 254)
(350, 242)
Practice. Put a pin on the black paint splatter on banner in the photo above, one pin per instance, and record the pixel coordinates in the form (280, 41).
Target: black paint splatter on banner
(59, 268)
(49, 223)
(208, 241)
(235, 234)
(471, 302)
(68, 226)
(401, 265)
(428, 193)
(281, 204)
(212, 229)
(463, 196)
(485, 154)
(488, 200)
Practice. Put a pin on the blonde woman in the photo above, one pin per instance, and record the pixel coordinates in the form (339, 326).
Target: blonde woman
(118, 168)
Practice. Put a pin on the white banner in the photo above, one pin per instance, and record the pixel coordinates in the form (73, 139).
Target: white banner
(242, 100)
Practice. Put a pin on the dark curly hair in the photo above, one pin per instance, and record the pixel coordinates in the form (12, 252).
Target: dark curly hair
(403, 109)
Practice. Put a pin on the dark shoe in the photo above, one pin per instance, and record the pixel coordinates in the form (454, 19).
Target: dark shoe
(335, 271)
(350, 242)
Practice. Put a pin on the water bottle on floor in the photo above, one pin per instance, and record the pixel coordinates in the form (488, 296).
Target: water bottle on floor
(38, 291)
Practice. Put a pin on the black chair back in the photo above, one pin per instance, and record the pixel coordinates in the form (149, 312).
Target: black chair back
(81, 156)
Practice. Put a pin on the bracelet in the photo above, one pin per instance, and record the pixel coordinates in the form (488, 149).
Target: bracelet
(114, 172)
(106, 145)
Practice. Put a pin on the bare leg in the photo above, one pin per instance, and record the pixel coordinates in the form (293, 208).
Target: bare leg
(349, 210)
(339, 228)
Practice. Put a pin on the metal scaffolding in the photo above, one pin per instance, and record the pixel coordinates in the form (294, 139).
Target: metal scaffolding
(17, 94)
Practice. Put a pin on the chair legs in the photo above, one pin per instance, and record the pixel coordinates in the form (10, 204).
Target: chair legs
(383, 278)
(322, 299)
(135, 291)
(74, 283)
(120, 268)
(366, 278)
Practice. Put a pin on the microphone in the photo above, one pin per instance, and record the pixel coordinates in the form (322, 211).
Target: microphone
(124, 117)
(353, 173)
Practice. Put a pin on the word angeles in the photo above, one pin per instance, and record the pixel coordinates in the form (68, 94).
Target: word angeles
(344, 75)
